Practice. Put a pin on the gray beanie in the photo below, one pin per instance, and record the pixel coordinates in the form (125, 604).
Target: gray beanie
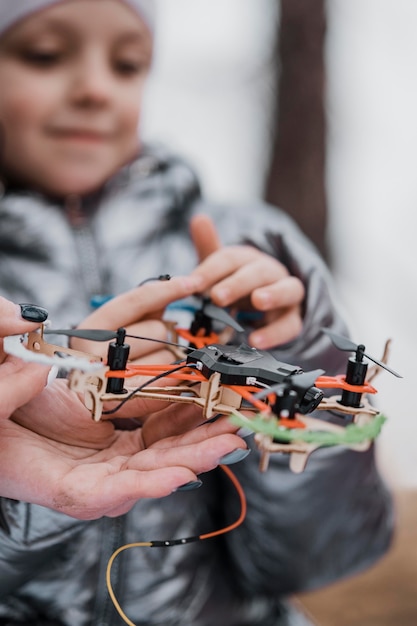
(11, 11)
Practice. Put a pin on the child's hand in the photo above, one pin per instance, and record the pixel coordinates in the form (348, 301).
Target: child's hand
(247, 278)
(140, 312)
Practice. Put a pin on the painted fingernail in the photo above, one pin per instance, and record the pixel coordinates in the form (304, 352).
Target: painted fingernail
(234, 457)
(33, 313)
(193, 484)
(244, 432)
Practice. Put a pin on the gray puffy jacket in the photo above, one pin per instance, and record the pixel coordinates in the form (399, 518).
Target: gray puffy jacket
(301, 531)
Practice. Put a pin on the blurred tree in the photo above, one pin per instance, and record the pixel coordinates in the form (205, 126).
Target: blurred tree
(296, 179)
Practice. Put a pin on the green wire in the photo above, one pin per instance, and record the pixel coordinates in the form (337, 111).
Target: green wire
(352, 434)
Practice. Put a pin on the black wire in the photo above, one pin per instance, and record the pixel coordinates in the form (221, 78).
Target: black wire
(148, 382)
(162, 277)
(167, 343)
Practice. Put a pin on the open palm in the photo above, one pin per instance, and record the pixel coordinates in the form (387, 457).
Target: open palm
(53, 454)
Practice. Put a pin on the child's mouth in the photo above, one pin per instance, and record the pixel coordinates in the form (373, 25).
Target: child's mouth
(80, 135)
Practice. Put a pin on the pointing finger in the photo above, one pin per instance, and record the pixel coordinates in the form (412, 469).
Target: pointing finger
(204, 235)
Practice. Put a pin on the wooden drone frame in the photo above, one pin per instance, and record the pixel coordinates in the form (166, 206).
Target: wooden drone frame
(88, 376)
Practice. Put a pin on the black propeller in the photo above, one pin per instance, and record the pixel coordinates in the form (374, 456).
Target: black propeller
(97, 334)
(298, 382)
(296, 393)
(206, 311)
(84, 333)
(345, 344)
(221, 315)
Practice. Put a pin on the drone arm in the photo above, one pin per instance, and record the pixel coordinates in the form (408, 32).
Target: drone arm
(339, 382)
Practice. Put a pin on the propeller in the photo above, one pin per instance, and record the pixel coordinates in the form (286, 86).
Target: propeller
(202, 307)
(346, 345)
(295, 394)
(297, 382)
(97, 334)
(84, 333)
(221, 315)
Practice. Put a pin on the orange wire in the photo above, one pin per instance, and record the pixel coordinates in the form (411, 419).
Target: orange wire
(149, 544)
(243, 506)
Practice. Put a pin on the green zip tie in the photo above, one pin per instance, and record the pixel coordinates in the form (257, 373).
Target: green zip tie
(352, 434)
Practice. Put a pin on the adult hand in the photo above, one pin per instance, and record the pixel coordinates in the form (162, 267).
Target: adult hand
(53, 454)
(19, 381)
(242, 276)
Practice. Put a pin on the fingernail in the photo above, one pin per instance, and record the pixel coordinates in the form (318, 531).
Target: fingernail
(234, 457)
(244, 432)
(193, 484)
(257, 340)
(222, 295)
(33, 313)
(264, 299)
(193, 283)
(53, 373)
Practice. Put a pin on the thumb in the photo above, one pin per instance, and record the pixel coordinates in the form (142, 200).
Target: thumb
(205, 237)
(15, 319)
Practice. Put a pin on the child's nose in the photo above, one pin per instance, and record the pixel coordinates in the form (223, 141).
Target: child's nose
(93, 82)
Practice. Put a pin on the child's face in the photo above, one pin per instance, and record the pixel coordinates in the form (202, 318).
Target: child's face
(71, 79)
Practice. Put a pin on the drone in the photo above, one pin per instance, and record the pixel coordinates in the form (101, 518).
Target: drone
(277, 401)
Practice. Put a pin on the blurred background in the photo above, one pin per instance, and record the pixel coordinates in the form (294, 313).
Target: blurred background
(311, 105)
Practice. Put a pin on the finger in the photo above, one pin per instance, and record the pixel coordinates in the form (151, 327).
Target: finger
(154, 358)
(19, 385)
(256, 274)
(132, 485)
(284, 329)
(91, 491)
(287, 292)
(200, 432)
(204, 235)
(222, 263)
(172, 420)
(201, 456)
(12, 322)
(151, 332)
(137, 303)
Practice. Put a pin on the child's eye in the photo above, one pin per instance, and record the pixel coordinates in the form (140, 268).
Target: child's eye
(41, 58)
(130, 68)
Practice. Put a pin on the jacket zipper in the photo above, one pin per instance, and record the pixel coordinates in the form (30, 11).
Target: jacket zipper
(86, 247)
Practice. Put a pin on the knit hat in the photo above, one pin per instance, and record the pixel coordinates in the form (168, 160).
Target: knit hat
(11, 11)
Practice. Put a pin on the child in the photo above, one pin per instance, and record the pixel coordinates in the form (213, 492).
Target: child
(89, 213)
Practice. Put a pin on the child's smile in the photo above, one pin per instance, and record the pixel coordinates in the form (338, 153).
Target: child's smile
(83, 135)
(72, 82)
